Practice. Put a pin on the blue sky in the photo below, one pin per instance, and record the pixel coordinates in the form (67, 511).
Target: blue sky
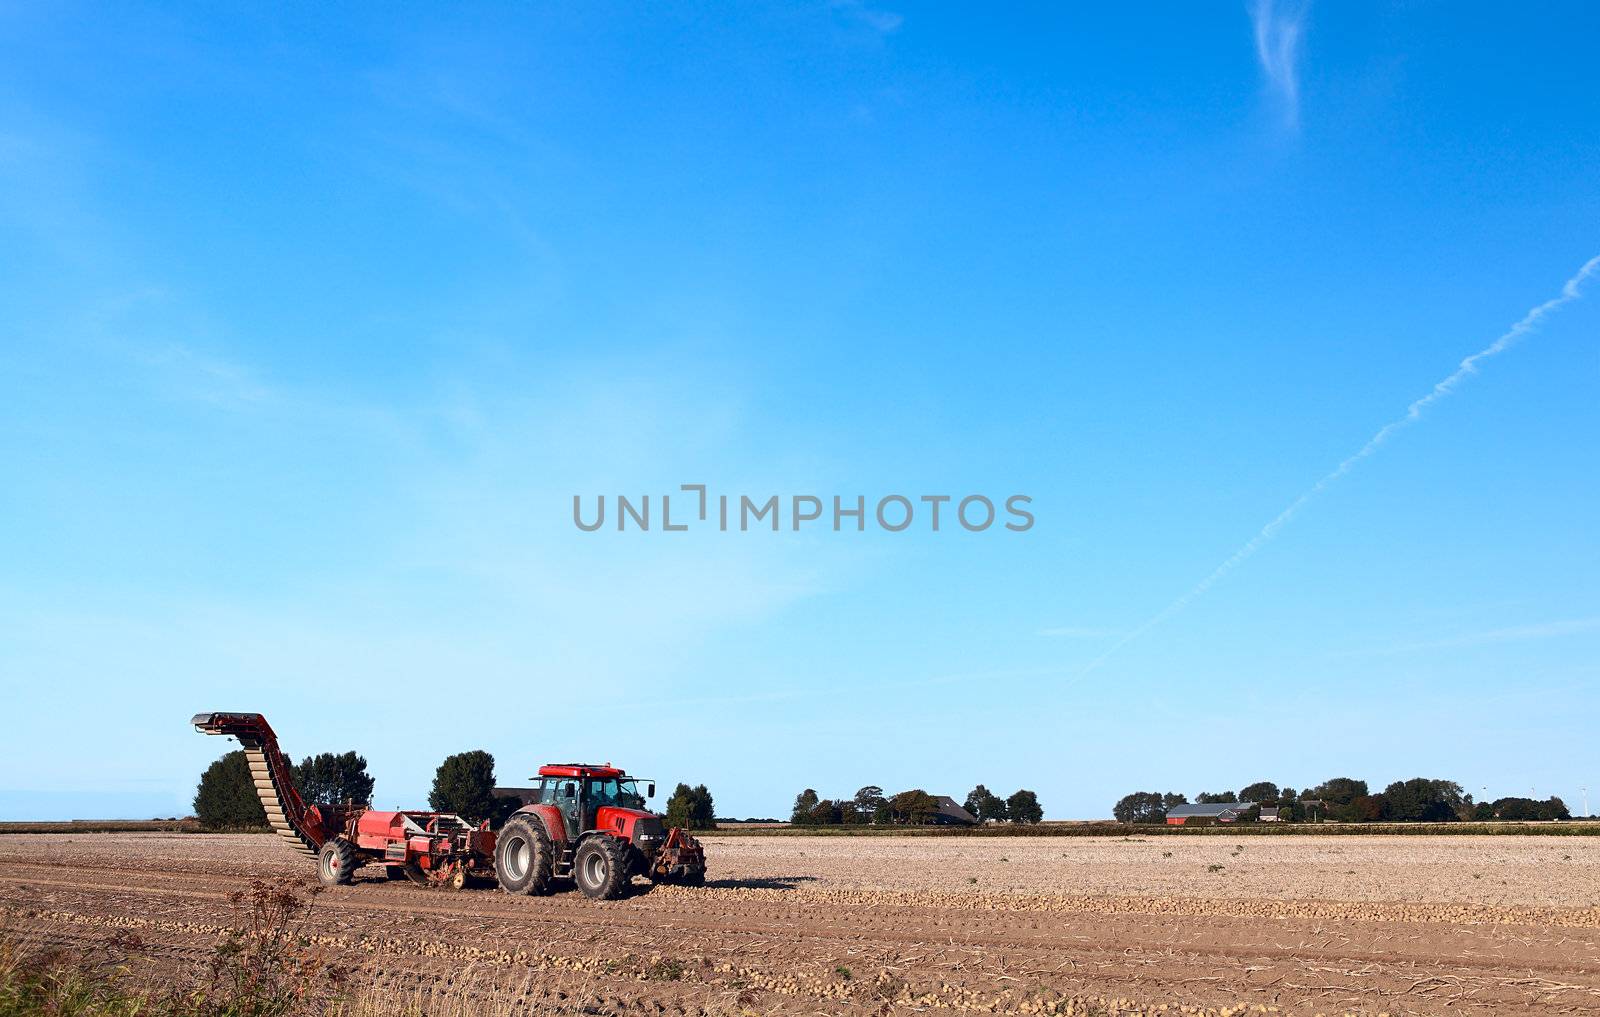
(314, 323)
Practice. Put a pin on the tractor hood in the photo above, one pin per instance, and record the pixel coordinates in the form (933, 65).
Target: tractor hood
(614, 817)
(644, 829)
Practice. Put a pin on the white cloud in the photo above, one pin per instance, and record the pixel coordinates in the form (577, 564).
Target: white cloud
(1279, 31)
(882, 22)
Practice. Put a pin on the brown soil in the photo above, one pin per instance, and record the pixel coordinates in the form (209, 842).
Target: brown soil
(1490, 925)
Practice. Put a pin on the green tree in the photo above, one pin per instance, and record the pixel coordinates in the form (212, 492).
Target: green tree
(226, 797)
(872, 805)
(1421, 800)
(1142, 807)
(702, 809)
(1365, 809)
(1170, 799)
(915, 807)
(985, 805)
(974, 799)
(1514, 809)
(804, 802)
(464, 785)
(1262, 792)
(824, 813)
(1287, 795)
(1219, 798)
(329, 779)
(1337, 791)
(678, 806)
(1023, 807)
(691, 808)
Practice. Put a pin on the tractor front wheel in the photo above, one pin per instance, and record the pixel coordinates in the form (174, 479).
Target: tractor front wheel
(601, 868)
(336, 862)
(523, 861)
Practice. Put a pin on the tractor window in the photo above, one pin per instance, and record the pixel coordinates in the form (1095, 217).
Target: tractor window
(614, 792)
(547, 792)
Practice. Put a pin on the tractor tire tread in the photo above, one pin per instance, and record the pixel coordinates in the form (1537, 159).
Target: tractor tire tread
(615, 879)
(541, 863)
(336, 862)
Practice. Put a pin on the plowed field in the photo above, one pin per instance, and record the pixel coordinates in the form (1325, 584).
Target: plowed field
(1305, 925)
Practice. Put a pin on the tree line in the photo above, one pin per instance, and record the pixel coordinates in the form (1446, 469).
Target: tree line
(464, 783)
(1348, 800)
(910, 808)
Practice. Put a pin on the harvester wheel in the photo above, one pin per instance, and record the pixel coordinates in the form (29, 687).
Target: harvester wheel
(601, 868)
(336, 862)
(523, 860)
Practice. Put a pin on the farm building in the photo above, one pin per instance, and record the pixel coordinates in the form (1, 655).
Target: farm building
(1220, 812)
(951, 813)
(521, 795)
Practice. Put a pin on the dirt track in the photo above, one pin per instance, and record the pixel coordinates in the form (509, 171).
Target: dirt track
(1309, 925)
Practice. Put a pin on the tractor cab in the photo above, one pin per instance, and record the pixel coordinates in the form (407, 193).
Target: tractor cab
(589, 797)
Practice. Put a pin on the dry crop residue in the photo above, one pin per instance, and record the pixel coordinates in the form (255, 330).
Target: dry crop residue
(1302, 925)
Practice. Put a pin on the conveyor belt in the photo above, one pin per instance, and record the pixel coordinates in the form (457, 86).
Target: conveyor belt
(270, 772)
(267, 790)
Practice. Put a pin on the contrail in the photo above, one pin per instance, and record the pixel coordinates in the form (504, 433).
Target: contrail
(1569, 293)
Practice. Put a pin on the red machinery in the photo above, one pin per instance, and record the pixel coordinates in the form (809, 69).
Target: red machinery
(585, 821)
(588, 822)
(427, 847)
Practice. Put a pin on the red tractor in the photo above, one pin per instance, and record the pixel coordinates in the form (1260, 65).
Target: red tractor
(589, 823)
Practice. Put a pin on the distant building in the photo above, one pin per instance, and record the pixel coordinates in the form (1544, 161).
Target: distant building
(521, 795)
(951, 813)
(1269, 813)
(1220, 812)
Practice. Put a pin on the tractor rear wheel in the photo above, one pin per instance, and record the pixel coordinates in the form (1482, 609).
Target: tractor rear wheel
(601, 868)
(523, 860)
(336, 862)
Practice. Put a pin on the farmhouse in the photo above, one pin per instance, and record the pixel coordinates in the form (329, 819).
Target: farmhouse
(951, 814)
(1220, 812)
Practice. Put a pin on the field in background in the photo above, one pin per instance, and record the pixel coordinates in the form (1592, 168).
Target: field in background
(1059, 828)
(1074, 828)
(887, 925)
(107, 826)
